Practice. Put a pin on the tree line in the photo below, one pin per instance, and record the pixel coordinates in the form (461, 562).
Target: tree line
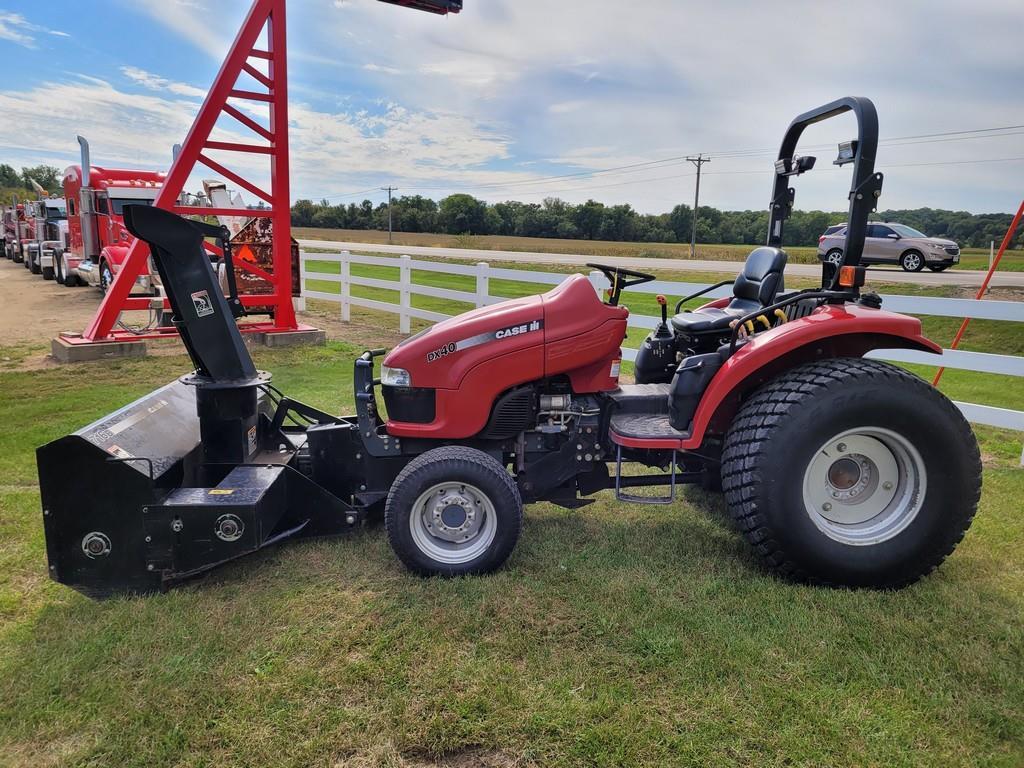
(462, 214)
(18, 184)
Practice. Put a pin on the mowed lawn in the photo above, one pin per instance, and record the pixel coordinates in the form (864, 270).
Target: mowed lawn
(618, 635)
(972, 258)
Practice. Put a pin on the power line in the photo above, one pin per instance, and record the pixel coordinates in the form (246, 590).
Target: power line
(962, 135)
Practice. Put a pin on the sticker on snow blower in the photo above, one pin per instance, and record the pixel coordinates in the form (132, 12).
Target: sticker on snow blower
(483, 338)
(202, 302)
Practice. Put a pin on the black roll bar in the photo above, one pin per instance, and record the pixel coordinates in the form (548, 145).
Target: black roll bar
(864, 190)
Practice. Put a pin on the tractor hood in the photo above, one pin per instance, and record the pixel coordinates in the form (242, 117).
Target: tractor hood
(440, 356)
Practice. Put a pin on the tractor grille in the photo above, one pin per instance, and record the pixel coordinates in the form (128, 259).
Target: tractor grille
(513, 412)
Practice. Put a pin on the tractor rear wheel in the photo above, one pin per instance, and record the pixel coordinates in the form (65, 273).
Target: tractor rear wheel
(851, 472)
(452, 511)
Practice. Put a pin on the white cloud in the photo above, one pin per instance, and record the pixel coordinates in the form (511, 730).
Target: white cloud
(156, 83)
(193, 21)
(330, 151)
(371, 67)
(17, 29)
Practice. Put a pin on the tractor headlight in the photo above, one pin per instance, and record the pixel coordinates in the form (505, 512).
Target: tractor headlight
(395, 377)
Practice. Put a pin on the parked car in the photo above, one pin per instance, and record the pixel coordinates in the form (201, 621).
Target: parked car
(891, 243)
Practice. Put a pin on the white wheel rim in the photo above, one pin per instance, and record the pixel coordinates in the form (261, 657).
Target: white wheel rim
(864, 486)
(835, 258)
(453, 522)
(912, 260)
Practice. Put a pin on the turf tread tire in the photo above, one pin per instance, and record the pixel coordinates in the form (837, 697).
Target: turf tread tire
(749, 436)
(433, 466)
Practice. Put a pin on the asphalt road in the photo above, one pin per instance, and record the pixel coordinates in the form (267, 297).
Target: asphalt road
(882, 274)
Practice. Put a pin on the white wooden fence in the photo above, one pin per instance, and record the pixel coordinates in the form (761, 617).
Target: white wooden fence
(483, 273)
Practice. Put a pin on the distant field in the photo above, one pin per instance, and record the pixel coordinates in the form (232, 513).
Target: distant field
(973, 258)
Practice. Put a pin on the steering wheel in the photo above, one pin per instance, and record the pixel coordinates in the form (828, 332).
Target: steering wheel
(621, 279)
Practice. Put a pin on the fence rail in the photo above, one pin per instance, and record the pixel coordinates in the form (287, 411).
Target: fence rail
(483, 273)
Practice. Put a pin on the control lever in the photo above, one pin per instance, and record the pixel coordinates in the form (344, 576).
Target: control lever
(662, 331)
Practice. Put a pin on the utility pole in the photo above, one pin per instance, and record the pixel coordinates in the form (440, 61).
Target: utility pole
(698, 161)
(389, 190)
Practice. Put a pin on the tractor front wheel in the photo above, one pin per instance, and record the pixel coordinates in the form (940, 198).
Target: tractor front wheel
(453, 511)
(851, 472)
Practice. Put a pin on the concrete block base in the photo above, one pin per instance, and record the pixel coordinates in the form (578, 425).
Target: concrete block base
(311, 337)
(66, 352)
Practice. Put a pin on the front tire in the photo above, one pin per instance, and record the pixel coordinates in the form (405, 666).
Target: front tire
(912, 261)
(106, 276)
(851, 472)
(453, 511)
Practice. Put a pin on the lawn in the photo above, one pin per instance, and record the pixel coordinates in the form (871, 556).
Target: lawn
(973, 258)
(618, 635)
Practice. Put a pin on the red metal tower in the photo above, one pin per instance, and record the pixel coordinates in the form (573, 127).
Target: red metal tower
(270, 141)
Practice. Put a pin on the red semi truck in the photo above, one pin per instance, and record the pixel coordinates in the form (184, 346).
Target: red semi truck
(14, 228)
(98, 240)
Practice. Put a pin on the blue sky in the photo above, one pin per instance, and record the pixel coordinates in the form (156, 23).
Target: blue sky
(510, 92)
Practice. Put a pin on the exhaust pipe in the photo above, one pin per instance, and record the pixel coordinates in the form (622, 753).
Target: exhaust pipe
(86, 160)
(86, 207)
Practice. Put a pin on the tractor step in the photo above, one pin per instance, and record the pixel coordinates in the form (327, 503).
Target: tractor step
(621, 495)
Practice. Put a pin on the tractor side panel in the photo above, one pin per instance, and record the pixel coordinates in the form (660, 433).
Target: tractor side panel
(589, 357)
(830, 331)
(463, 412)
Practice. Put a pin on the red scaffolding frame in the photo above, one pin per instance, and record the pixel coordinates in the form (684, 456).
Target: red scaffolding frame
(271, 141)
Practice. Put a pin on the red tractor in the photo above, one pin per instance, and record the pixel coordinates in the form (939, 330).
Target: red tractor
(99, 242)
(838, 470)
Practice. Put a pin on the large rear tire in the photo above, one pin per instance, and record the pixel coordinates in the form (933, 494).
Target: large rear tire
(851, 472)
(453, 511)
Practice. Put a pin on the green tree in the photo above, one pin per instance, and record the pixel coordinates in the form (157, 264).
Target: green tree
(46, 176)
(462, 214)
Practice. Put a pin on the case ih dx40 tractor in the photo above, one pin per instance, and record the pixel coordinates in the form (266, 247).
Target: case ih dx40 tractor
(837, 469)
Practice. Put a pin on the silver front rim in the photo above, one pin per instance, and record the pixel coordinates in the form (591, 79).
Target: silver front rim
(835, 258)
(913, 261)
(864, 486)
(453, 522)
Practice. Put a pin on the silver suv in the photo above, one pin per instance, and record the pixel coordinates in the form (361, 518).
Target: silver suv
(888, 243)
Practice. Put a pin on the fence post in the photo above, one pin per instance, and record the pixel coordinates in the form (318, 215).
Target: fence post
(346, 287)
(405, 280)
(596, 280)
(483, 284)
(299, 302)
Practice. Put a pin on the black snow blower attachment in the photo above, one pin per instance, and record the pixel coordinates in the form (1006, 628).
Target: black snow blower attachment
(199, 472)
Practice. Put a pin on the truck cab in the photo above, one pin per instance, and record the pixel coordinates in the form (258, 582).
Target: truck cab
(13, 228)
(98, 240)
(48, 234)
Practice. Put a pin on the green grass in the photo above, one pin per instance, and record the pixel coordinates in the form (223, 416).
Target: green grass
(618, 635)
(973, 258)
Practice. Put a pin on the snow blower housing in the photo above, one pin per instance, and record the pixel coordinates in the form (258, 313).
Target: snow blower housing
(837, 469)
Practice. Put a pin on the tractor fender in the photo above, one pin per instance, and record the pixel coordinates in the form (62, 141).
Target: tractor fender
(830, 331)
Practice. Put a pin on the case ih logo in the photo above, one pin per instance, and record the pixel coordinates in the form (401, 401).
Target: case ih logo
(201, 300)
(484, 338)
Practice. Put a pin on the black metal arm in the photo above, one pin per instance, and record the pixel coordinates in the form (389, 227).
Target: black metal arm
(864, 190)
(793, 298)
(701, 292)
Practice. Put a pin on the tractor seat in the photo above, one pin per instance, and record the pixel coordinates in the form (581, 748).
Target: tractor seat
(756, 286)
